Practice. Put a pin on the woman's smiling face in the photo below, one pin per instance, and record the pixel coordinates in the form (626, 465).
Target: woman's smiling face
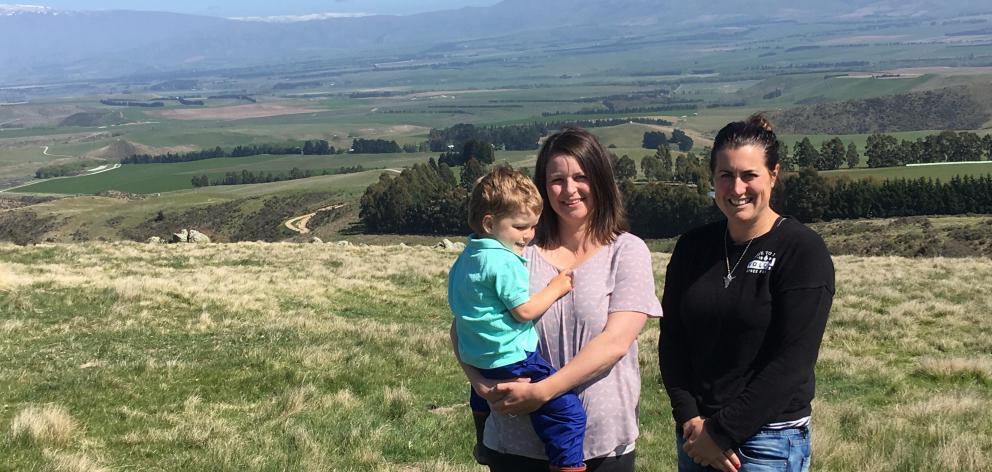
(743, 184)
(569, 191)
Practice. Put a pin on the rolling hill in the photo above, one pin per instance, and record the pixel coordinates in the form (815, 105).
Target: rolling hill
(958, 107)
(46, 45)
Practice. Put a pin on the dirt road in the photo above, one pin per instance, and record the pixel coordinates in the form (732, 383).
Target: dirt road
(299, 223)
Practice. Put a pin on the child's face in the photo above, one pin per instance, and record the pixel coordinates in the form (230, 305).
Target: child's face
(514, 230)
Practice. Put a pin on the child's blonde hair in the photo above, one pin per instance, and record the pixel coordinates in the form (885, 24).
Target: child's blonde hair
(502, 192)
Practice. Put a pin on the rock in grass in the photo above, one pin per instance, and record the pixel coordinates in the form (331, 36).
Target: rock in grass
(190, 236)
(180, 237)
(446, 244)
(197, 237)
(154, 240)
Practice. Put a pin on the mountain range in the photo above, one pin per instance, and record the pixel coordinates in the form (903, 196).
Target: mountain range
(43, 44)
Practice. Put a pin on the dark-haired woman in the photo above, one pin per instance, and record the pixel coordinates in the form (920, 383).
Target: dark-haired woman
(746, 303)
(590, 334)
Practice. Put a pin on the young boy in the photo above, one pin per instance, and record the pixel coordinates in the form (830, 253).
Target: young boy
(488, 291)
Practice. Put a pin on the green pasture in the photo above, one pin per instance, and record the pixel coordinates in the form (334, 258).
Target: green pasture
(21, 162)
(943, 172)
(708, 121)
(157, 178)
(631, 135)
(40, 131)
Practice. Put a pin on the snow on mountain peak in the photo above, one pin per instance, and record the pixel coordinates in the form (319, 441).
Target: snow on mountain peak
(10, 10)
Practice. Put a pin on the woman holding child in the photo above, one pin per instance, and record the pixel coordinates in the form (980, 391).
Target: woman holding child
(589, 334)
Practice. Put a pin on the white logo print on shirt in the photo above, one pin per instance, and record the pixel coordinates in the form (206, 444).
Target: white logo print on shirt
(762, 263)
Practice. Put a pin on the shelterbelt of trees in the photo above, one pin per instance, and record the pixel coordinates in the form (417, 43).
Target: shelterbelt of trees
(63, 170)
(883, 150)
(427, 199)
(522, 137)
(250, 177)
(311, 147)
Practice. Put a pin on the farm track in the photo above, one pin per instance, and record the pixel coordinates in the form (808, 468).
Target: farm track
(298, 224)
(45, 152)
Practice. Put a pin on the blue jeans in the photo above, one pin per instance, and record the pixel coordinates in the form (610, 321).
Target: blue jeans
(559, 423)
(770, 450)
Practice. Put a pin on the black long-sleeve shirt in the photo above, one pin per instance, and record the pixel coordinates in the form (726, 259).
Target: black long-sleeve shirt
(743, 356)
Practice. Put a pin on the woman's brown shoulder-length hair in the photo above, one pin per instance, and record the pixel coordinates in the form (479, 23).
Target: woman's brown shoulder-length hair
(607, 218)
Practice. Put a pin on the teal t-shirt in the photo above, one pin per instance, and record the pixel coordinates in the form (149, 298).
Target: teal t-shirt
(486, 281)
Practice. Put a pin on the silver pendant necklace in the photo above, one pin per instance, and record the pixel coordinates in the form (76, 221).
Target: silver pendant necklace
(726, 256)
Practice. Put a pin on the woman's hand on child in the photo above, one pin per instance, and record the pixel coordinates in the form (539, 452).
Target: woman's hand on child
(519, 398)
(487, 388)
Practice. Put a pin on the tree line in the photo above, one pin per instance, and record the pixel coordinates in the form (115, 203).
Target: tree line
(512, 137)
(374, 146)
(63, 170)
(811, 197)
(522, 137)
(947, 146)
(427, 199)
(250, 177)
(611, 111)
(660, 210)
(883, 150)
(130, 103)
(310, 147)
(313, 147)
(233, 96)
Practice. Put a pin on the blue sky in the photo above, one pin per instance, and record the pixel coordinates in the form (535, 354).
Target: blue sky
(228, 8)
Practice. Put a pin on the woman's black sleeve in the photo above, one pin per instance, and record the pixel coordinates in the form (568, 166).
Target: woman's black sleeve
(671, 343)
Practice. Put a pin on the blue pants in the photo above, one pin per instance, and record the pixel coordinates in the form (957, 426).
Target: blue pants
(560, 423)
(770, 450)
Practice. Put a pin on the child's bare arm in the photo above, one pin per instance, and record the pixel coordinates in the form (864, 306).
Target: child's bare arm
(538, 304)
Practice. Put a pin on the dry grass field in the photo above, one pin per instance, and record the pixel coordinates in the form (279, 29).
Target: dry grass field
(257, 357)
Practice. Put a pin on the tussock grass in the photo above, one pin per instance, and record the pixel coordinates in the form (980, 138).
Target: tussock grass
(979, 369)
(43, 425)
(319, 357)
(5, 278)
(60, 462)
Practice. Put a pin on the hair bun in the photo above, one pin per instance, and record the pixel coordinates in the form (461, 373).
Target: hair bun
(760, 121)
